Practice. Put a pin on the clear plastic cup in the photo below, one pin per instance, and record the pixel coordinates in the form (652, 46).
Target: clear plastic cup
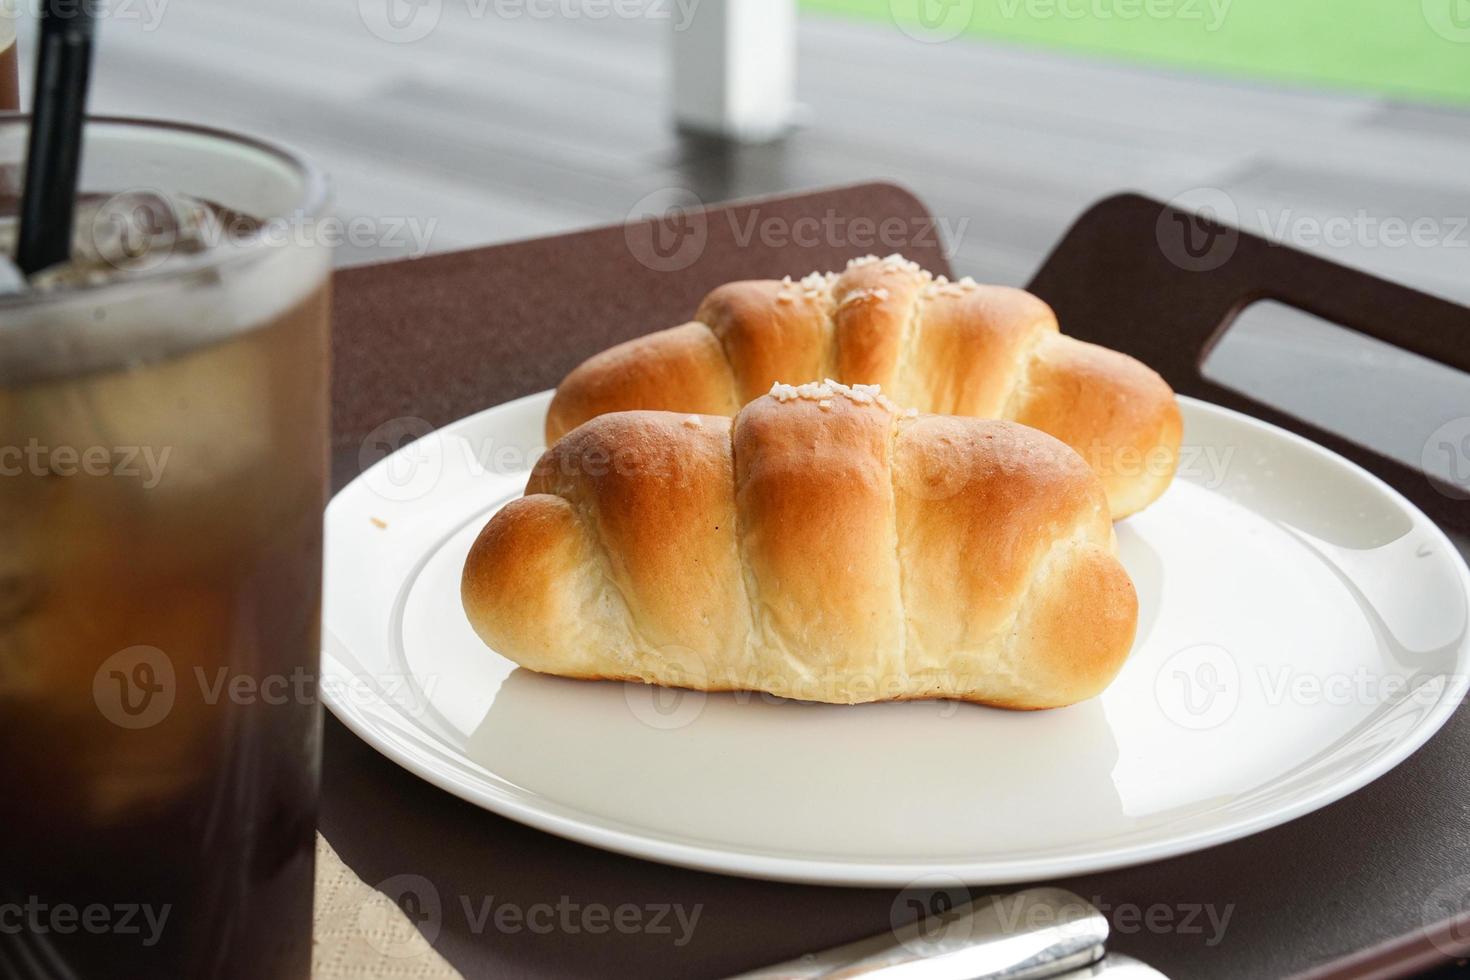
(163, 447)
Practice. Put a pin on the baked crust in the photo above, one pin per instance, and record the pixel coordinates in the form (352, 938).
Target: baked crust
(950, 348)
(824, 546)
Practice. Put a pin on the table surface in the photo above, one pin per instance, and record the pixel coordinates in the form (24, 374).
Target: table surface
(439, 338)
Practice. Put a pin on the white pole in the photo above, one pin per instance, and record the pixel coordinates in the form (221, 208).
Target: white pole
(734, 67)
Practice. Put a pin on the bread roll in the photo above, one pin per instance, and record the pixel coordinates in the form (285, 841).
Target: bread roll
(952, 348)
(825, 546)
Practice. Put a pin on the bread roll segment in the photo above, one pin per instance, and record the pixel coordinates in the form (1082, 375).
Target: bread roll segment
(689, 369)
(826, 546)
(951, 348)
(814, 496)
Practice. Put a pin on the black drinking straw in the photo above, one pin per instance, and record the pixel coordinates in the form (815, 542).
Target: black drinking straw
(54, 158)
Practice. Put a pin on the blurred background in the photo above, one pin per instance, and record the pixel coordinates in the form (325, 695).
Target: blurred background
(504, 119)
(1340, 126)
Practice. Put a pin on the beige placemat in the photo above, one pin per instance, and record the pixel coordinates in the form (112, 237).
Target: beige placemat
(361, 934)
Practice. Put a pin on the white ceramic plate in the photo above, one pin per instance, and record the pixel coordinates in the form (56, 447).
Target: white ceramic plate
(1303, 628)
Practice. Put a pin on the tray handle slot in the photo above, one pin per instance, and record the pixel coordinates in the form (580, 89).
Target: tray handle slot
(1164, 284)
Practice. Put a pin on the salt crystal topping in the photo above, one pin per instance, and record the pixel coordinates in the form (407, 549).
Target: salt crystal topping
(814, 285)
(817, 285)
(824, 392)
(694, 421)
(864, 295)
(940, 286)
(894, 261)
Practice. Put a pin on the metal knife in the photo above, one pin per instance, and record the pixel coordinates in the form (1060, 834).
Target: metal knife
(1040, 932)
(1115, 966)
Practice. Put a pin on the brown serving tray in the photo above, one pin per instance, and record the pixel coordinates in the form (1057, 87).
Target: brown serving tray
(1358, 889)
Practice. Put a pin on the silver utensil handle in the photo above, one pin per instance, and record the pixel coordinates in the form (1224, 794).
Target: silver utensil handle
(1115, 966)
(1040, 932)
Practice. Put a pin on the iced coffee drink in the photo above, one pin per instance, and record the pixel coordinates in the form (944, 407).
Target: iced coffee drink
(9, 63)
(163, 427)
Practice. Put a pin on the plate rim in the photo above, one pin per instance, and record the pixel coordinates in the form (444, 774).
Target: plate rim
(591, 829)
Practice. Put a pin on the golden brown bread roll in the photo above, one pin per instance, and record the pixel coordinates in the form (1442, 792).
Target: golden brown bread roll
(952, 348)
(825, 547)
